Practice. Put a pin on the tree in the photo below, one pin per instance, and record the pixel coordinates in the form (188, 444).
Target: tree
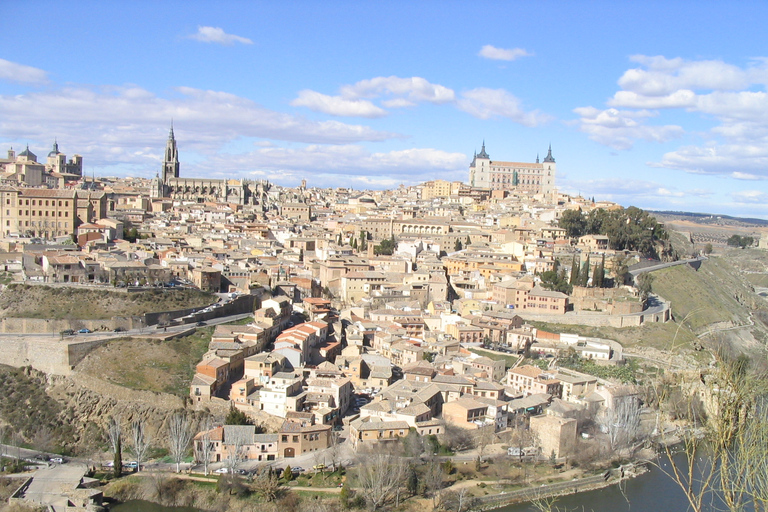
(380, 475)
(573, 222)
(644, 285)
(141, 441)
(179, 435)
(237, 417)
(584, 274)
(574, 280)
(114, 433)
(731, 461)
(434, 475)
(386, 247)
(266, 483)
(708, 249)
(622, 421)
(457, 246)
(287, 473)
(204, 447)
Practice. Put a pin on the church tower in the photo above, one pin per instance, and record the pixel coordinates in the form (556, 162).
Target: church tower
(171, 159)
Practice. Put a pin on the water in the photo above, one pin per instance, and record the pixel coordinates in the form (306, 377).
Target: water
(652, 491)
(148, 506)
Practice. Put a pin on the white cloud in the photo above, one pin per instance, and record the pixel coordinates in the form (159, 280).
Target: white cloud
(750, 158)
(125, 125)
(664, 76)
(747, 176)
(19, 73)
(336, 105)
(218, 36)
(349, 160)
(489, 103)
(750, 197)
(620, 129)
(414, 89)
(491, 52)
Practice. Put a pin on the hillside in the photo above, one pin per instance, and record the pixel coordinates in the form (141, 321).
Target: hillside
(713, 296)
(90, 304)
(146, 364)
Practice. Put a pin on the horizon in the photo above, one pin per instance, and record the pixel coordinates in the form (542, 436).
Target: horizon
(657, 106)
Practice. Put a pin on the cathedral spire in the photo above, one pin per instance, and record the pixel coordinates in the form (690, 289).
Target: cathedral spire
(482, 153)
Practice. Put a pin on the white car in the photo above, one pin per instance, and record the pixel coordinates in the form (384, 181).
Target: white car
(222, 471)
(57, 460)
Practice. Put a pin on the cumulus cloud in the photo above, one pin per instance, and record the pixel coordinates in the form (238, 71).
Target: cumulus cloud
(414, 89)
(491, 52)
(394, 92)
(218, 36)
(751, 159)
(486, 103)
(750, 197)
(336, 105)
(620, 129)
(125, 125)
(19, 73)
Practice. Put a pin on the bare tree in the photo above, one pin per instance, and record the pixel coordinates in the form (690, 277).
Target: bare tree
(179, 435)
(457, 438)
(380, 476)
(266, 483)
(204, 447)
(622, 421)
(484, 437)
(236, 438)
(334, 449)
(732, 461)
(114, 431)
(141, 441)
(434, 475)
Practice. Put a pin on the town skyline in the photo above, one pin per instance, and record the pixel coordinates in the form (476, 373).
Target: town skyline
(638, 107)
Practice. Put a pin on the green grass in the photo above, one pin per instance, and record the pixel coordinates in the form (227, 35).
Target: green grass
(496, 356)
(758, 280)
(151, 365)
(703, 297)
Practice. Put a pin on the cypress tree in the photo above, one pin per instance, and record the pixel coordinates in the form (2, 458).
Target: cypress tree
(584, 274)
(574, 272)
(117, 470)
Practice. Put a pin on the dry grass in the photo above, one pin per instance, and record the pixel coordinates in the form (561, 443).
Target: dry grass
(23, 301)
(162, 366)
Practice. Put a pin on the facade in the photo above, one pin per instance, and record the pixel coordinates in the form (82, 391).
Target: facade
(531, 178)
(199, 190)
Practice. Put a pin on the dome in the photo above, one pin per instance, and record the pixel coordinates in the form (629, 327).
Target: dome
(55, 150)
(28, 154)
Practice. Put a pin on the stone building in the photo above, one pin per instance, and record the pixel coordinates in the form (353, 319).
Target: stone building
(531, 178)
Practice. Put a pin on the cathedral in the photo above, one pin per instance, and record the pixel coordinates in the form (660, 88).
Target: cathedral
(202, 190)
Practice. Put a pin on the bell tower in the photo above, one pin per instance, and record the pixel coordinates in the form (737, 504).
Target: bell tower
(170, 159)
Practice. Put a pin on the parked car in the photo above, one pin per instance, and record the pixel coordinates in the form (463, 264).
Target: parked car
(57, 460)
(120, 329)
(201, 323)
(67, 332)
(84, 331)
(297, 470)
(222, 471)
(318, 467)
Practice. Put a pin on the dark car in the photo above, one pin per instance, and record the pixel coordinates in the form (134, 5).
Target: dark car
(201, 323)
(120, 329)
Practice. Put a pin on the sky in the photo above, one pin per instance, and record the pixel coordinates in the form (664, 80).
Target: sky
(660, 105)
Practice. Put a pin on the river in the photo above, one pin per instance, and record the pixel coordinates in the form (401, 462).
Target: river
(652, 491)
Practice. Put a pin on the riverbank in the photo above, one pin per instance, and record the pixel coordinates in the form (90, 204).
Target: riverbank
(608, 478)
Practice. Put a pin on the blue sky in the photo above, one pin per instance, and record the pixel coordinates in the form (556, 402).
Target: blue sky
(661, 105)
